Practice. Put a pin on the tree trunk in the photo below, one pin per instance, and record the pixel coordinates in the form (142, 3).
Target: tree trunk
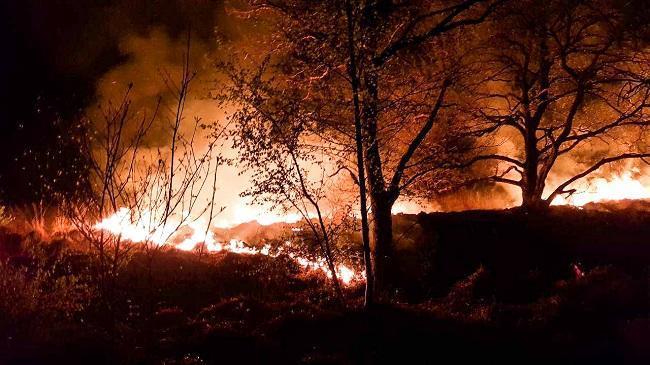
(381, 202)
(533, 201)
(358, 138)
(381, 245)
(532, 188)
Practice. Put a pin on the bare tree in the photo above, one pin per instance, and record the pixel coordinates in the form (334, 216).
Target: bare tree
(149, 192)
(287, 172)
(397, 87)
(109, 151)
(358, 139)
(561, 78)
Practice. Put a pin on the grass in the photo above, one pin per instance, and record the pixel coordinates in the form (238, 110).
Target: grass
(228, 308)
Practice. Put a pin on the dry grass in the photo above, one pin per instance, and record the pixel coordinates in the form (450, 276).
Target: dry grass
(40, 222)
(5, 216)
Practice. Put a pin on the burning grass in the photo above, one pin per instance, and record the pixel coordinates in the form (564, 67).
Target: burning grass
(52, 298)
(199, 237)
(183, 307)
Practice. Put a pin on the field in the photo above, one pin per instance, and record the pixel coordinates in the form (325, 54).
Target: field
(569, 287)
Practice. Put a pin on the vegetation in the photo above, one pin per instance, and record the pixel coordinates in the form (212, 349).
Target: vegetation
(337, 112)
(402, 96)
(563, 77)
(583, 291)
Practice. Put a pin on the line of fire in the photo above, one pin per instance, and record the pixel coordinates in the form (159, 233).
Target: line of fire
(325, 182)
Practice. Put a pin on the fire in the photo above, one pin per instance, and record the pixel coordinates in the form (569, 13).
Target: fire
(123, 224)
(244, 213)
(616, 187)
(135, 230)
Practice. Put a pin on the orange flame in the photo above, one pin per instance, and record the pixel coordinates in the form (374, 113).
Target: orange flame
(616, 187)
(135, 230)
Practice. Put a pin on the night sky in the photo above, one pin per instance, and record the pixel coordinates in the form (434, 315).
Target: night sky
(55, 51)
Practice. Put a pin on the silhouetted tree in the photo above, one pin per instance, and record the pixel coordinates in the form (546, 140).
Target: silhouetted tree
(289, 177)
(391, 66)
(158, 190)
(561, 78)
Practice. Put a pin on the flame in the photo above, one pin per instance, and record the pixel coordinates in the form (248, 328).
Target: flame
(244, 213)
(123, 224)
(616, 187)
(407, 207)
(135, 230)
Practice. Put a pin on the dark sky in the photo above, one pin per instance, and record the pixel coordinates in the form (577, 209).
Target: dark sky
(54, 52)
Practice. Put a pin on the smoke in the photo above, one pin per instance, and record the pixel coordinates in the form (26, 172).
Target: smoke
(154, 65)
(154, 60)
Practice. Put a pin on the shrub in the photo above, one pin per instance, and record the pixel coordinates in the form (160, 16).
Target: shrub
(463, 301)
(39, 291)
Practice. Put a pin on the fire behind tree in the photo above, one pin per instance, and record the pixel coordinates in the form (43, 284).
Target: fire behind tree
(423, 92)
(331, 104)
(336, 116)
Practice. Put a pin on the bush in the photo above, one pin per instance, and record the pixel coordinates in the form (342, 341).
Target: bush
(39, 290)
(464, 302)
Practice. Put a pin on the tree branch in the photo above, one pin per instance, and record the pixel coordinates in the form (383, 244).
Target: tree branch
(417, 141)
(560, 189)
(446, 24)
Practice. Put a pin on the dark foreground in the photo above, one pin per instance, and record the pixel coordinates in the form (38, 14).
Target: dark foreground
(569, 287)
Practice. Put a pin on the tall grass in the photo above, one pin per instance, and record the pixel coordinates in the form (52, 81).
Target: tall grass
(39, 221)
(5, 216)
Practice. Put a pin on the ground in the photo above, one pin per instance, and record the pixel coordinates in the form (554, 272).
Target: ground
(568, 287)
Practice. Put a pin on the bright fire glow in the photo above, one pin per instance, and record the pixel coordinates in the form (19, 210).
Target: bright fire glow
(616, 187)
(136, 230)
(243, 213)
(121, 223)
(412, 207)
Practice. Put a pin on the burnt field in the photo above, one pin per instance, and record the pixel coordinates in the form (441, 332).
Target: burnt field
(569, 286)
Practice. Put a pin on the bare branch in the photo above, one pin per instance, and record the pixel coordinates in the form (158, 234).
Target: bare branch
(561, 188)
